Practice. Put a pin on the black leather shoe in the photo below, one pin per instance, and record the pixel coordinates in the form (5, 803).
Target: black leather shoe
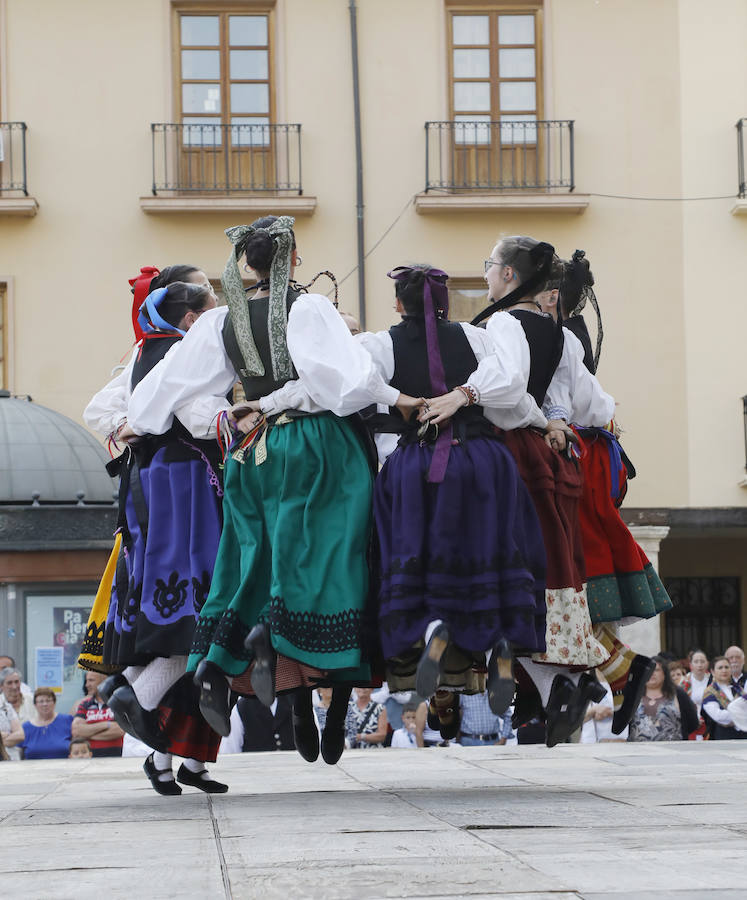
(141, 723)
(588, 690)
(431, 716)
(641, 669)
(432, 662)
(263, 671)
(527, 706)
(306, 736)
(449, 714)
(194, 779)
(501, 685)
(215, 697)
(107, 688)
(167, 788)
(558, 721)
(333, 742)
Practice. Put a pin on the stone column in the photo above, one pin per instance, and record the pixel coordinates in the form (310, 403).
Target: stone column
(645, 636)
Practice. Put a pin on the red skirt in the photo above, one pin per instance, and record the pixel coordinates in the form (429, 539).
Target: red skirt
(555, 484)
(622, 583)
(180, 720)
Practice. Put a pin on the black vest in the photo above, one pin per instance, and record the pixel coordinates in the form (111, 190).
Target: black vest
(411, 375)
(152, 351)
(577, 325)
(256, 386)
(545, 341)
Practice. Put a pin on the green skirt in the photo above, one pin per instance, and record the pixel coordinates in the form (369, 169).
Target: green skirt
(292, 552)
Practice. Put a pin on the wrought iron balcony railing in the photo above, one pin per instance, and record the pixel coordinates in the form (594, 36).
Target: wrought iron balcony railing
(521, 154)
(13, 157)
(226, 158)
(741, 123)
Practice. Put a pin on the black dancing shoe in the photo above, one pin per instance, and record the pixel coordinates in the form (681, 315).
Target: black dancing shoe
(306, 736)
(167, 788)
(195, 779)
(432, 662)
(263, 671)
(558, 720)
(641, 669)
(333, 742)
(141, 723)
(527, 706)
(107, 688)
(215, 697)
(501, 685)
(431, 716)
(449, 714)
(588, 690)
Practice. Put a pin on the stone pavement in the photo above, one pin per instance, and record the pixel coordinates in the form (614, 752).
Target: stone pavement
(604, 822)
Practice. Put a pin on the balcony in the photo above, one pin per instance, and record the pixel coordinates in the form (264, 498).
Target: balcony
(518, 164)
(740, 205)
(14, 195)
(227, 167)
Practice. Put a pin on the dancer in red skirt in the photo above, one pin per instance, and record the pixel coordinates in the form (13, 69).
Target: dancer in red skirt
(622, 585)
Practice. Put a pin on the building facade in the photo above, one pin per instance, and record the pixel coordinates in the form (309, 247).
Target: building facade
(144, 129)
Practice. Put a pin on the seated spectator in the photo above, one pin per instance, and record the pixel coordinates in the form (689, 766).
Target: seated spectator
(50, 737)
(258, 728)
(394, 703)
(716, 700)
(678, 671)
(735, 657)
(480, 726)
(94, 721)
(80, 748)
(665, 712)
(22, 703)
(370, 720)
(407, 736)
(11, 730)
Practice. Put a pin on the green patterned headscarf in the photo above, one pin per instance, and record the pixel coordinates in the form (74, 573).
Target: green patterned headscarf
(281, 232)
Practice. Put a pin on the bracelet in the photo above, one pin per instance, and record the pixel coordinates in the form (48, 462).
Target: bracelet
(469, 392)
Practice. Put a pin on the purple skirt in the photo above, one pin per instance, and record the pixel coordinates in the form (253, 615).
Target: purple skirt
(162, 581)
(468, 551)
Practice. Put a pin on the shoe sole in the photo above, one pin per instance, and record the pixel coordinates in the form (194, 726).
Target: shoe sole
(501, 685)
(428, 673)
(263, 682)
(212, 715)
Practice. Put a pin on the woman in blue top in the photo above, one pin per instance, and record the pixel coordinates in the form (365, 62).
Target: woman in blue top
(50, 737)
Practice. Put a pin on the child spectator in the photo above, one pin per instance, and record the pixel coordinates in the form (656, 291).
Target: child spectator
(79, 749)
(406, 737)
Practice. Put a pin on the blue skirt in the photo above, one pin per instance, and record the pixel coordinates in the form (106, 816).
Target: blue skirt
(163, 578)
(468, 551)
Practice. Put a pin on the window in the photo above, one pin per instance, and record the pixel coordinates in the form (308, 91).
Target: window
(495, 98)
(494, 65)
(224, 97)
(706, 614)
(467, 297)
(224, 63)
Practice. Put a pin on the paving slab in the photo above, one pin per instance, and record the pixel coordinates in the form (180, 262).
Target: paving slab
(577, 822)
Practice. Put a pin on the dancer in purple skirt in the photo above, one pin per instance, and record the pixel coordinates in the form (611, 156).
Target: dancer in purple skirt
(170, 526)
(462, 558)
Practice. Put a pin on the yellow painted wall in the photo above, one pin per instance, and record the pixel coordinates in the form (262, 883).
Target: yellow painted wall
(89, 76)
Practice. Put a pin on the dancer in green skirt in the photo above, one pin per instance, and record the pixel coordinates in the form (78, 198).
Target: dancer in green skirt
(291, 577)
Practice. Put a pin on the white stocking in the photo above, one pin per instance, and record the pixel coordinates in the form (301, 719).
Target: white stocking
(543, 675)
(157, 677)
(163, 761)
(196, 766)
(132, 673)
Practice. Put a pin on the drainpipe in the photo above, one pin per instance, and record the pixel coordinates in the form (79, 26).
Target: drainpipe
(358, 165)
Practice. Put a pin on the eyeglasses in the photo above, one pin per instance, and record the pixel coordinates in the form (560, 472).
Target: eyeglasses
(492, 262)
